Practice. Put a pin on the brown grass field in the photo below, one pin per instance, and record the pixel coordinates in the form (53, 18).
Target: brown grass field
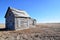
(2, 25)
(50, 27)
(42, 26)
(43, 31)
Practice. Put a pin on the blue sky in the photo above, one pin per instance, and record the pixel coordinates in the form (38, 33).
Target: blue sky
(42, 10)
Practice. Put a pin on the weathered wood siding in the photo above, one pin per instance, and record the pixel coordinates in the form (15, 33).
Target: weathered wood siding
(21, 23)
(10, 21)
(13, 23)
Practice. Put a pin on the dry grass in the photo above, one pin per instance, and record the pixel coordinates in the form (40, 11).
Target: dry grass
(2, 25)
(40, 31)
(39, 28)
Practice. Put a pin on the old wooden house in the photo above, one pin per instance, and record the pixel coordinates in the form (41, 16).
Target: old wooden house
(18, 19)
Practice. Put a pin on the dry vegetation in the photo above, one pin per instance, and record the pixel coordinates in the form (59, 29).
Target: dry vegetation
(2, 25)
(40, 32)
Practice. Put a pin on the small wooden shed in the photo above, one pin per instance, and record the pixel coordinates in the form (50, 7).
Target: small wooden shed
(18, 19)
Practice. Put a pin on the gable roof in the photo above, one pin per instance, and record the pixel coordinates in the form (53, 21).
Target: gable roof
(17, 13)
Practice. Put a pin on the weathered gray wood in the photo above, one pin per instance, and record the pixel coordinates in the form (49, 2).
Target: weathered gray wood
(18, 23)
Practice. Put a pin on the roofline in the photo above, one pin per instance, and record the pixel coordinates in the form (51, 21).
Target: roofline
(19, 11)
(23, 17)
(16, 10)
(26, 17)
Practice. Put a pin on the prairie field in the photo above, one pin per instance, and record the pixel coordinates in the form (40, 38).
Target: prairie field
(2, 25)
(42, 31)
